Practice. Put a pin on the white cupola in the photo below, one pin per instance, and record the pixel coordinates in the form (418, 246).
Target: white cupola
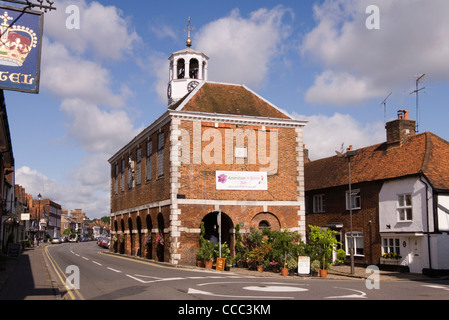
(187, 69)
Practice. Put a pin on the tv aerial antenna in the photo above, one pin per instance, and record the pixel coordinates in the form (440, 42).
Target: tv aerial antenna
(385, 107)
(416, 91)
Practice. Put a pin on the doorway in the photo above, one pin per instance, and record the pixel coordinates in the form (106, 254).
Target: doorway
(211, 228)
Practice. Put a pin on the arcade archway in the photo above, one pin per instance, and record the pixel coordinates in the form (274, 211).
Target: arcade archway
(211, 228)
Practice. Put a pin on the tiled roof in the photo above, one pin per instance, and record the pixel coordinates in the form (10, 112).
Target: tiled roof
(228, 99)
(422, 153)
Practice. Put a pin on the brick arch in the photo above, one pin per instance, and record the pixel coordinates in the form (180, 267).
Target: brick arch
(266, 217)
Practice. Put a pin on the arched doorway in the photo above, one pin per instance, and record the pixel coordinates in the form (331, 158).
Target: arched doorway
(211, 228)
(122, 237)
(139, 236)
(160, 240)
(115, 243)
(130, 228)
(149, 240)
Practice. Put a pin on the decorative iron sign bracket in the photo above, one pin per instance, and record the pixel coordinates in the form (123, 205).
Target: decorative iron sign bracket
(48, 5)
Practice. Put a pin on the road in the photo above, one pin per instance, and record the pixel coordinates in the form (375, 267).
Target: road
(104, 276)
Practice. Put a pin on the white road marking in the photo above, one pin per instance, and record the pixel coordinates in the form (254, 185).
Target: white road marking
(436, 287)
(275, 289)
(196, 291)
(85, 258)
(97, 263)
(113, 269)
(362, 295)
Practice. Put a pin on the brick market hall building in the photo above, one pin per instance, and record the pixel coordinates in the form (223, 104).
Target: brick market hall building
(217, 148)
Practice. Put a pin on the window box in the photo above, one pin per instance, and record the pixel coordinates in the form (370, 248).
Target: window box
(388, 261)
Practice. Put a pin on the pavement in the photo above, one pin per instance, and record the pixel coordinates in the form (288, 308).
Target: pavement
(29, 276)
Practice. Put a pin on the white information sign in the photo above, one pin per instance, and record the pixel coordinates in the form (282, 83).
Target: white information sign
(241, 180)
(303, 265)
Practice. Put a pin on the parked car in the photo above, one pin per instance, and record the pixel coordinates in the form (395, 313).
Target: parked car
(63, 239)
(73, 238)
(105, 243)
(56, 240)
(99, 239)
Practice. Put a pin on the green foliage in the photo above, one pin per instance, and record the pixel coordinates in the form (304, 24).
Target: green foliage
(240, 250)
(206, 251)
(260, 253)
(324, 242)
(225, 251)
(341, 255)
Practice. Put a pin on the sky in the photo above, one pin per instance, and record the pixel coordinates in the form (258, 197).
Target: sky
(104, 73)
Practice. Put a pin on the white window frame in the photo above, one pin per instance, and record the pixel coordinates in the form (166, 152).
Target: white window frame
(358, 240)
(405, 208)
(318, 203)
(391, 245)
(356, 199)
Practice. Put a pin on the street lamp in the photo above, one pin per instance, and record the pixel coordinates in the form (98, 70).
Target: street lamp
(39, 197)
(349, 153)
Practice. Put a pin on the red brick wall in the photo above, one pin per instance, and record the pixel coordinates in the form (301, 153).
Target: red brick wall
(197, 181)
(364, 220)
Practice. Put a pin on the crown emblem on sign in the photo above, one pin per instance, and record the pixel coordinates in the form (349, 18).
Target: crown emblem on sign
(16, 42)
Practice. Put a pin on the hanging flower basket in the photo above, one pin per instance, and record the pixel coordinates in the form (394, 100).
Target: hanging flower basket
(148, 240)
(160, 239)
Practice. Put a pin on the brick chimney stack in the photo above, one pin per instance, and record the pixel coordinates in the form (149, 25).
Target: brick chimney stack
(400, 129)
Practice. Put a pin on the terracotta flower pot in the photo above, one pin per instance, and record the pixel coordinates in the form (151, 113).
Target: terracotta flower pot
(208, 264)
(284, 271)
(260, 268)
(323, 273)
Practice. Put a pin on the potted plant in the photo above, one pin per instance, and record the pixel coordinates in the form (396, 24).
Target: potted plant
(326, 242)
(258, 254)
(200, 258)
(315, 267)
(208, 253)
(292, 265)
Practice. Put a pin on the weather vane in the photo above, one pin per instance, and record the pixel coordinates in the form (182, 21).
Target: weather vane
(188, 29)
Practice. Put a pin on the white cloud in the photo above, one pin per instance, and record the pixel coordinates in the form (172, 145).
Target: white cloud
(97, 130)
(70, 195)
(341, 89)
(325, 134)
(70, 76)
(242, 49)
(411, 40)
(103, 30)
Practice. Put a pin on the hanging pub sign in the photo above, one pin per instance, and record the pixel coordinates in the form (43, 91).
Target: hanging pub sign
(20, 49)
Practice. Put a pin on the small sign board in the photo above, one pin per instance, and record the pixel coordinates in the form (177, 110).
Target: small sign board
(13, 250)
(303, 265)
(20, 49)
(220, 264)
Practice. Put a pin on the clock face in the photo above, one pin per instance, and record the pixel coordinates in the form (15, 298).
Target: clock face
(192, 85)
(169, 91)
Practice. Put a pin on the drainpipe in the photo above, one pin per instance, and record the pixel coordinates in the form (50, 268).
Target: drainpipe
(427, 221)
